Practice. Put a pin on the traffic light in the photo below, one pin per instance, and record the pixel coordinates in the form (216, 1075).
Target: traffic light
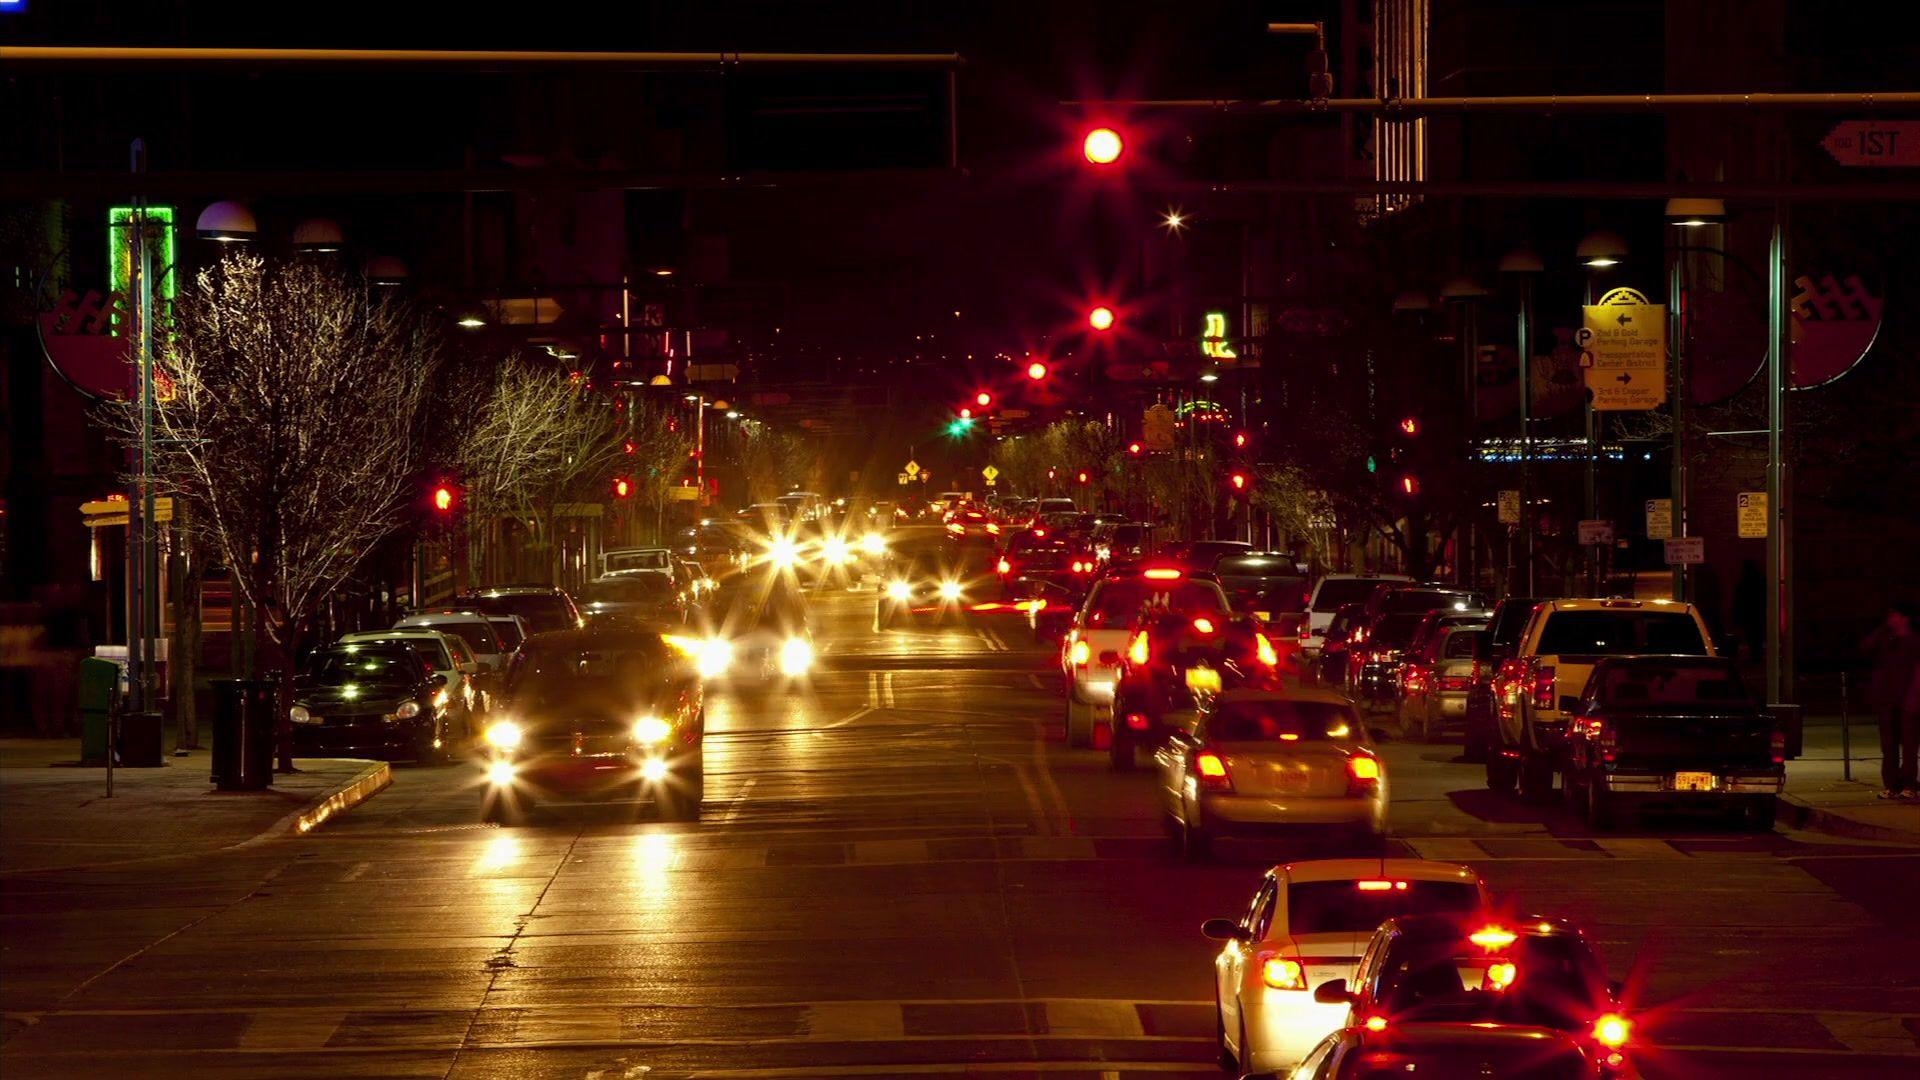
(1410, 426)
(622, 487)
(1239, 440)
(1136, 449)
(1239, 482)
(966, 413)
(1409, 485)
(1037, 371)
(1083, 477)
(1103, 146)
(983, 399)
(961, 425)
(1101, 318)
(444, 498)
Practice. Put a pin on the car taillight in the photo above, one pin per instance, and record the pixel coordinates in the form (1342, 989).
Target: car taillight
(1306, 630)
(1005, 567)
(1281, 973)
(1080, 653)
(1363, 774)
(1141, 649)
(1455, 682)
(1612, 1031)
(1606, 739)
(1211, 769)
(1359, 635)
(1543, 688)
(1203, 625)
(1413, 676)
(1264, 651)
(1779, 745)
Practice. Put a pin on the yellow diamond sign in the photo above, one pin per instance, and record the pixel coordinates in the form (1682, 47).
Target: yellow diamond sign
(990, 473)
(913, 468)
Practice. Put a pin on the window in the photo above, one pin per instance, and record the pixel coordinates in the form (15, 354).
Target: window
(1619, 632)
(1283, 721)
(1690, 684)
(457, 651)
(1346, 907)
(508, 632)
(1260, 914)
(1336, 593)
(477, 635)
(1555, 982)
(1120, 600)
(1464, 645)
(382, 670)
(1433, 600)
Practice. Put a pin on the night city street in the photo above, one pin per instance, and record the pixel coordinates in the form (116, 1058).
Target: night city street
(1079, 540)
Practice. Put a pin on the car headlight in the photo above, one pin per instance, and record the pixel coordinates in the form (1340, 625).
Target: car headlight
(407, 710)
(949, 590)
(874, 544)
(783, 552)
(500, 773)
(796, 656)
(713, 657)
(899, 590)
(649, 730)
(836, 551)
(299, 714)
(505, 735)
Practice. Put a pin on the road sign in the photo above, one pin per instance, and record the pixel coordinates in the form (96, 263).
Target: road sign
(904, 478)
(990, 473)
(1659, 519)
(1753, 515)
(1510, 507)
(1156, 428)
(1686, 550)
(1876, 143)
(1596, 533)
(993, 483)
(1628, 340)
(912, 469)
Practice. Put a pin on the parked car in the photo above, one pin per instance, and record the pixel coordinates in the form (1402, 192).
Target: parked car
(633, 598)
(510, 629)
(471, 627)
(1434, 684)
(1549, 672)
(1504, 627)
(470, 684)
(1672, 731)
(365, 700)
(544, 607)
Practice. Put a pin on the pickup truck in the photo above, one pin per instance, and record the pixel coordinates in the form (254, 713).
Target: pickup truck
(1543, 680)
(1672, 730)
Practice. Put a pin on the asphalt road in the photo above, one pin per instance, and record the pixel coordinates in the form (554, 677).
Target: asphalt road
(899, 871)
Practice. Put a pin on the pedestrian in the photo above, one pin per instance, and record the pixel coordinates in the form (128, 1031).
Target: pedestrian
(1894, 692)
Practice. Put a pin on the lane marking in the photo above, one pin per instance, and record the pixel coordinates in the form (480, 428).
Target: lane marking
(886, 690)
(850, 717)
(1037, 810)
(733, 808)
(1641, 849)
(282, 1030)
(1037, 684)
(857, 1021)
(1444, 849)
(891, 851)
(873, 689)
(1869, 1034)
(359, 871)
(1044, 771)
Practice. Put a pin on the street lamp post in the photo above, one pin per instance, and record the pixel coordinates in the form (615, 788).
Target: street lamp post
(1684, 214)
(1598, 251)
(1523, 265)
(1779, 552)
(1464, 292)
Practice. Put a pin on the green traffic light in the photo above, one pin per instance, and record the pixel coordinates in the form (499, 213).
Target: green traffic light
(960, 427)
(1372, 465)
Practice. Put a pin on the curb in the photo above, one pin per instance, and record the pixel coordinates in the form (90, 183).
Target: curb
(369, 782)
(1800, 815)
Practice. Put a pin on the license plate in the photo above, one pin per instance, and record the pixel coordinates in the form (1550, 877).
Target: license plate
(1693, 781)
(1201, 678)
(1263, 616)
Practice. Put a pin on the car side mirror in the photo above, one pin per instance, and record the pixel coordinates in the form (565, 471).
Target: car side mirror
(1224, 930)
(438, 681)
(1334, 992)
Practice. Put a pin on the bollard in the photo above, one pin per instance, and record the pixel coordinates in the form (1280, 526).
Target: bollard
(1846, 733)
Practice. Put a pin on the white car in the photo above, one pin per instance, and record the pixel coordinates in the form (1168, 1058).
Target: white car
(1330, 594)
(1308, 924)
(469, 626)
(1090, 659)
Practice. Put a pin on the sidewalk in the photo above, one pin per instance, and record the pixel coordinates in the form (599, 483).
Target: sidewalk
(1819, 796)
(55, 814)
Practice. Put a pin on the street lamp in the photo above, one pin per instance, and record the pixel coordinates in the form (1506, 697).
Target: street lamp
(1103, 146)
(1465, 291)
(228, 223)
(1600, 250)
(1696, 213)
(386, 270)
(318, 236)
(1523, 264)
(1412, 300)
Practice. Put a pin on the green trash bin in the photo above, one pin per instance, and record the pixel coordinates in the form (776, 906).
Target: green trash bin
(99, 685)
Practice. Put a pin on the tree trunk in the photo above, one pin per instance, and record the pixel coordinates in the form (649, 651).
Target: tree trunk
(183, 648)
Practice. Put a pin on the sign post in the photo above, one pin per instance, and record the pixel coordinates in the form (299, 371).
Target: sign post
(1510, 508)
(1686, 550)
(1596, 533)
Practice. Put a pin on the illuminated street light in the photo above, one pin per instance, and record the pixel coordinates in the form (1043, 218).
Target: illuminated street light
(1036, 371)
(1696, 213)
(1601, 250)
(1174, 219)
(1103, 146)
(1101, 318)
(983, 399)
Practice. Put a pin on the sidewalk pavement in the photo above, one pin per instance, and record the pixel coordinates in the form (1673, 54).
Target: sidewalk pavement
(1820, 797)
(55, 814)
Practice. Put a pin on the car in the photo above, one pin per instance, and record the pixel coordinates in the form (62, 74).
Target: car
(510, 629)
(469, 626)
(1504, 627)
(1416, 649)
(756, 633)
(1028, 559)
(1549, 670)
(1173, 664)
(1373, 655)
(544, 607)
(1097, 637)
(1330, 594)
(1338, 642)
(1396, 599)
(1262, 583)
(803, 505)
(372, 700)
(633, 598)
(470, 684)
(1307, 925)
(1434, 684)
(1482, 995)
(1676, 731)
(1454, 1050)
(598, 712)
(1121, 543)
(1264, 760)
(1202, 554)
(927, 573)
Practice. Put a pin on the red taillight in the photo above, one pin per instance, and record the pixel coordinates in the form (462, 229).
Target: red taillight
(1359, 634)
(1363, 774)
(1378, 885)
(1606, 739)
(1376, 1023)
(1005, 567)
(1264, 651)
(1543, 688)
(1080, 653)
(1779, 744)
(1161, 573)
(956, 528)
(1211, 769)
(1455, 682)
(1413, 677)
(1281, 973)
(1306, 630)
(1141, 649)
(1612, 1031)
(1039, 533)
(1203, 624)
(994, 529)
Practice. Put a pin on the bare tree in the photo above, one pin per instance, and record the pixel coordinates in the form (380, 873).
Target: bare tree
(774, 461)
(292, 395)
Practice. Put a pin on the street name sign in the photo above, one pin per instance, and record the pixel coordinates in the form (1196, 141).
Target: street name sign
(1628, 339)
(1596, 533)
(1752, 510)
(1686, 550)
(1875, 143)
(1659, 519)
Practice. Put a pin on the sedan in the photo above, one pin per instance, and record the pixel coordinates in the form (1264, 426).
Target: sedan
(1307, 925)
(379, 701)
(1268, 761)
(598, 713)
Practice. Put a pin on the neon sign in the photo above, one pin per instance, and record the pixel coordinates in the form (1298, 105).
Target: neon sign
(1213, 340)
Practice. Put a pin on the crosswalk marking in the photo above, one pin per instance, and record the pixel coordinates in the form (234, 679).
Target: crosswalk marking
(1640, 849)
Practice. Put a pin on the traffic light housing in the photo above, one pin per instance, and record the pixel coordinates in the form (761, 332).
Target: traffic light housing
(445, 498)
(983, 399)
(1410, 426)
(1239, 440)
(1082, 477)
(1136, 449)
(1240, 482)
(1409, 485)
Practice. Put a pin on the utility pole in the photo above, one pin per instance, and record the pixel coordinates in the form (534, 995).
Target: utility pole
(1779, 378)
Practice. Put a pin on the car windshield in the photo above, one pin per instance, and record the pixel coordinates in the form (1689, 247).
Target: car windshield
(508, 631)
(1119, 600)
(1395, 630)
(477, 634)
(1465, 645)
(1641, 685)
(630, 589)
(1358, 907)
(362, 672)
(543, 611)
(1433, 599)
(1336, 593)
(614, 677)
(1283, 721)
(1546, 980)
(647, 559)
(431, 651)
(1621, 632)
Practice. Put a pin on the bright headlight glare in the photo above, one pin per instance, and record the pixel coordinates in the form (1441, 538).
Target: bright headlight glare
(836, 550)
(649, 730)
(783, 552)
(899, 590)
(505, 735)
(873, 544)
(500, 773)
(949, 590)
(713, 657)
(654, 769)
(796, 656)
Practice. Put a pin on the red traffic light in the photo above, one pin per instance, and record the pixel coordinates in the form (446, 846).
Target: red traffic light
(1410, 485)
(1135, 449)
(1410, 426)
(1036, 371)
(1083, 477)
(443, 498)
(1239, 440)
(983, 399)
(622, 487)
(1101, 318)
(966, 414)
(1103, 146)
(1238, 480)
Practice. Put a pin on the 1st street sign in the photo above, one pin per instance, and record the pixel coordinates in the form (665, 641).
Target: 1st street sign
(1875, 143)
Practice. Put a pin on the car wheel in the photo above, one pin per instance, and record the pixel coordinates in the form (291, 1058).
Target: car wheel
(1474, 746)
(1120, 748)
(1195, 842)
(1761, 812)
(1228, 1063)
(1536, 779)
(1079, 721)
(1600, 811)
(1500, 772)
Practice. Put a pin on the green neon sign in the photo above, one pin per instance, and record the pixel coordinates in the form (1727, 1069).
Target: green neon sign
(160, 237)
(1213, 339)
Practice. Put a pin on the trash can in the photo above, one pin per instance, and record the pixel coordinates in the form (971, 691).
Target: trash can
(99, 683)
(243, 734)
(140, 739)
